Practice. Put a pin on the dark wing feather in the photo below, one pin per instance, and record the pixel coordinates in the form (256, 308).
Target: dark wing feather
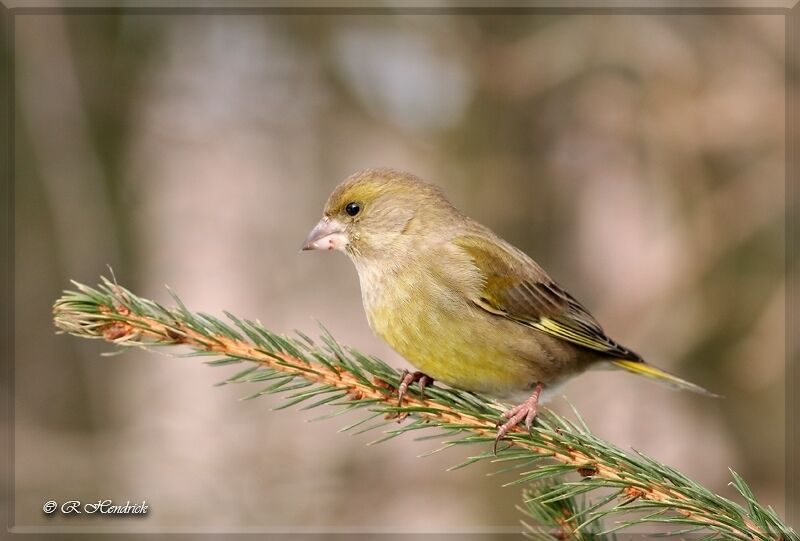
(516, 288)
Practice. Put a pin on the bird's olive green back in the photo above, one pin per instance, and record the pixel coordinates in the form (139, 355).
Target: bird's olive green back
(518, 289)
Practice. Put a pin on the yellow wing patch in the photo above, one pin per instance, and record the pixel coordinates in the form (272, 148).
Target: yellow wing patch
(558, 330)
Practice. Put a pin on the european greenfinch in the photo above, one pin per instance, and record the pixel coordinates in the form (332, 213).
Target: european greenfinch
(462, 305)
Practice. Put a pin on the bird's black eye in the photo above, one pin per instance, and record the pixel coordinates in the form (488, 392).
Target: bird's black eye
(352, 208)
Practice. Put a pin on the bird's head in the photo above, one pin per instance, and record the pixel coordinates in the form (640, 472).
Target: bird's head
(379, 213)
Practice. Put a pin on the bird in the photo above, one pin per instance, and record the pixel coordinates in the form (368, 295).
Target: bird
(462, 305)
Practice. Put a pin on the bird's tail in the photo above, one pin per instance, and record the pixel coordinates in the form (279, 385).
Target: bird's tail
(649, 371)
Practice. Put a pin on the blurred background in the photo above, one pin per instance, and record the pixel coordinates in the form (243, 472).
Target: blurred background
(639, 159)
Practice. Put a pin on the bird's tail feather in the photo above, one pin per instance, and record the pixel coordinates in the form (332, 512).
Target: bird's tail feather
(649, 371)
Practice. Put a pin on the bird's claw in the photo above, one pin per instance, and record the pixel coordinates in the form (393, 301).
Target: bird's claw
(407, 378)
(526, 411)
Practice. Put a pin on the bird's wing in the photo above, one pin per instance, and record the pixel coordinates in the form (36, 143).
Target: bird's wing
(515, 287)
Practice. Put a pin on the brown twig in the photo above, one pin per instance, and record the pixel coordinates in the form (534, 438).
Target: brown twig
(119, 325)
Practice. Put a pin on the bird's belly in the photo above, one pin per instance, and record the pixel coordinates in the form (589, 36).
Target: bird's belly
(461, 347)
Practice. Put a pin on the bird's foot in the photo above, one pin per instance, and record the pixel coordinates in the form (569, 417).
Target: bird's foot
(408, 378)
(527, 411)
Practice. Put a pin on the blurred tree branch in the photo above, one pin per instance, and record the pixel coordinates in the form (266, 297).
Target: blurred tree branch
(633, 485)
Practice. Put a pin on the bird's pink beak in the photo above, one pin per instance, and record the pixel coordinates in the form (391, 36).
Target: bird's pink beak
(328, 234)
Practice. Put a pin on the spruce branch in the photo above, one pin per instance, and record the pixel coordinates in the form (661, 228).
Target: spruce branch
(345, 379)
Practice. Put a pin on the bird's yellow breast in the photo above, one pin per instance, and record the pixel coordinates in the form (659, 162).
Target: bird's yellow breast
(443, 335)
